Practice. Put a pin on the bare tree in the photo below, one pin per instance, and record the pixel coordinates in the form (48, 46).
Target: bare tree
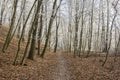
(90, 30)
(11, 26)
(77, 19)
(56, 36)
(40, 30)
(19, 42)
(113, 20)
(54, 12)
(81, 32)
(33, 41)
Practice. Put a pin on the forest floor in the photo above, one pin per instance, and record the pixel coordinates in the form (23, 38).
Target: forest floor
(55, 66)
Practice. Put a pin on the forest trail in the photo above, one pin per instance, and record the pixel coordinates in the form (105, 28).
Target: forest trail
(62, 68)
(56, 67)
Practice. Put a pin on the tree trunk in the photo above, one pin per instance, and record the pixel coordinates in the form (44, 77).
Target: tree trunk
(54, 12)
(32, 47)
(56, 41)
(19, 42)
(90, 30)
(40, 31)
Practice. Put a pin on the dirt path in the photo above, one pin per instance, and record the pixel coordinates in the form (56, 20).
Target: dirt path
(62, 68)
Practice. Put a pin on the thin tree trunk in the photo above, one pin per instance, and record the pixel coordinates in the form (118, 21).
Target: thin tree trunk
(54, 12)
(57, 26)
(109, 45)
(40, 31)
(81, 32)
(91, 30)
(19, 42)
(11, 26)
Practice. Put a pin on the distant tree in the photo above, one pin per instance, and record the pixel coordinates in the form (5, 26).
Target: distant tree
(2, 10)
(90, 30)
(111, 28)
(103, 29)
(81, 32)
(77, 19)
(70, 25)
(56, 36)
(40, 30)
(54, 12)
(107, 30)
